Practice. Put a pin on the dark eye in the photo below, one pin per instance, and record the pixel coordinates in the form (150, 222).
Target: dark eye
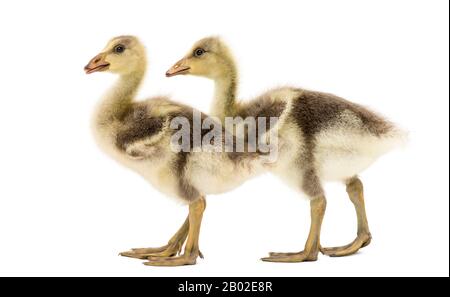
(198, 52)
(119, 49)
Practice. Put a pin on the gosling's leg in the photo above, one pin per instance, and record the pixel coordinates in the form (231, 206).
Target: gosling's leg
(172, 248)
(355, 192)
(191, 251)
(318, 206)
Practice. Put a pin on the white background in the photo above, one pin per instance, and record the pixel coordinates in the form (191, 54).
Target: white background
(67, 209)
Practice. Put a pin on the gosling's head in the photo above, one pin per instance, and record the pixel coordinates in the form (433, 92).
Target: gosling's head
(122, 55)
(209, 57)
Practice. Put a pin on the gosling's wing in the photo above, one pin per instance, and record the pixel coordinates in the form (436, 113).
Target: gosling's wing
(144, 147)
(141, 133)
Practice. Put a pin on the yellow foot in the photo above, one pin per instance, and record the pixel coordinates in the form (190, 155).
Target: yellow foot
(143, 253)
(349, 249)
(291, 257)
(172, 261)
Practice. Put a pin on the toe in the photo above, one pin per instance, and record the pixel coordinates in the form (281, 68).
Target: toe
(275, 254)
(290, 257)
(149, 250)
(176, 261)
(133, 255)
(344, 250)
(280, 259)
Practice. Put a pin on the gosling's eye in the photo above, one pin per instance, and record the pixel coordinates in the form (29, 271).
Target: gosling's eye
(198, 52)
(119, 49)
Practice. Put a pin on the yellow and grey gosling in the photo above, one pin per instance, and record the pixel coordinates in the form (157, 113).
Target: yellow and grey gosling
(322, 138)
(138, 135)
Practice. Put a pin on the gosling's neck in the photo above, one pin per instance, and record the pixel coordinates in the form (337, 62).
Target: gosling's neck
(120, 97)
(224, 102)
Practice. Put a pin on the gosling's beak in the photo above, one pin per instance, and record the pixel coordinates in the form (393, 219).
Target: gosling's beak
(180, 67)
(97, 63)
